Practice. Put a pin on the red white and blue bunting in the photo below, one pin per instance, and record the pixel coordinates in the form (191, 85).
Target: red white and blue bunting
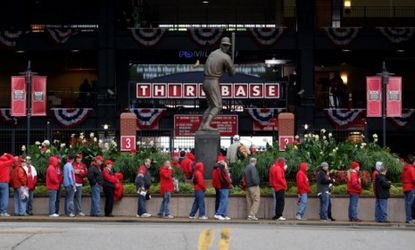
(5, 116)
(61, 35)
(70, 117)
(148, 118)
(263, 116)
(8, 38)
(206, 36)
(397, 34)
(344, 117)
(266, 37)
(406, 116)
(148, 36)
(341, 36)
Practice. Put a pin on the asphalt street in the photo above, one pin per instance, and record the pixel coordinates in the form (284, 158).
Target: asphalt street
(127, 235)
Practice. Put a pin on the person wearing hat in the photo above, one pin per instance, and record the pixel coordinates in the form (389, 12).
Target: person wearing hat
(31, 183)
(109, 186)
(376, 171)
(18, 181)
(324, 182)
(232, 152)
(383, 186)
(354, 189)
(80, 173)
(143, 182)
(95, 181)
(216, 64)
(408, 187)
(69, 184)
(6, 161)
(278, 184)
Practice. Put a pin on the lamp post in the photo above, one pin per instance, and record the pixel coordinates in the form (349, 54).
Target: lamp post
(385, 79)
(28, 80)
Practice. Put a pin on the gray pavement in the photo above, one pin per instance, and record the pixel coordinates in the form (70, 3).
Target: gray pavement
(164, 235)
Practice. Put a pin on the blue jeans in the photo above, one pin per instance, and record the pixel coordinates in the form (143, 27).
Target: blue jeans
(353, 202)
(198, 203)
(223, 202)
(324, 205)
(95, 200)
(29, 203)
(78, 200)
(164, 207)
(302, 204)
(69, 200)
(19, 204)
(409, 199)
(141, 205)
(4, 197)
(381, 212)
(52, 202)
(58, 198)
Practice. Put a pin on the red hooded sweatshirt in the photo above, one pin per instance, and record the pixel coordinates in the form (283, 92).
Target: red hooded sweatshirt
(166, 180)
(408, 178)
(354, 186)
(303, 186)
(277, 176)
(198, 179)
(18, 176)
(83, 172)
(186, 164)
(6, 161)
(53, 180)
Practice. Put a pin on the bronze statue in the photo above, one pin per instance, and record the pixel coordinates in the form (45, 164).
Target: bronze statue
(216, 64)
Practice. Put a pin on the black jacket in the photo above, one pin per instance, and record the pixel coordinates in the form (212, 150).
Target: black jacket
(382, 187)
(252, 176)
(323, 181)
(95, 176)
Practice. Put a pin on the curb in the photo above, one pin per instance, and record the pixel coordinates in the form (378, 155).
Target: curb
(125, 219)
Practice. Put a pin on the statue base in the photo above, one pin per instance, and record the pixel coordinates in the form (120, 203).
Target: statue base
(207, 147)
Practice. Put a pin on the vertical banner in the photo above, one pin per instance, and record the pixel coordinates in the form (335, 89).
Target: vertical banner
(394, 97)
(38, 99)
(374, 96)
(18, 96)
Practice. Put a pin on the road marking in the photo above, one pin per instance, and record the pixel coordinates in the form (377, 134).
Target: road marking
(206, 238)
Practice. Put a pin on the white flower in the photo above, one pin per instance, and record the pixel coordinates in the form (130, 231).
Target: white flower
(321, 152)
(323, 131)
(91, 135)
(83, 141)
(63, 145)
(37, 143)
(95, 139)
(48, 151)
(375, 136)
(151, 143)
(23, 148)
(324, 137)
(297, 137)
(113, 143)
(295, 147)
(81, 136)
(375, 140)
(306, 136)
(106, 146)
(72, 135)
(55, 141)
(363, 144)
(330, 135)
(100, 141)
(46, 143)
(317, 137)
(70, 146)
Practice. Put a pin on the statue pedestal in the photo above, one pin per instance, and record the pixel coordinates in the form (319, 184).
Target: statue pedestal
(207, 146)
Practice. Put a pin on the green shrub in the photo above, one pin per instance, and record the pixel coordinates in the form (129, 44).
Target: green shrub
(340, 189)
(186, 187)
(292, 190)
(395, 190)
(41, 190)
(366, 192)
(210, 190)
(266, 191)
(130, 188)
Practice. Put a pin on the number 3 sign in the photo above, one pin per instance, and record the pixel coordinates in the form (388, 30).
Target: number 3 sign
(284, 140)
(128, 143)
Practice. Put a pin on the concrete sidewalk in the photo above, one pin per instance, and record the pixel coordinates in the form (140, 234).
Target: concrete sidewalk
(130, 219)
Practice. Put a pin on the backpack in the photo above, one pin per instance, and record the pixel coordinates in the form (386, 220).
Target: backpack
(242, 152)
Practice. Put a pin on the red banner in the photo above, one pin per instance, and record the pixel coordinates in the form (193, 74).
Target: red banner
(38, 96)
(374, 96)
(394, 97)
(18, 98)
(187, 125)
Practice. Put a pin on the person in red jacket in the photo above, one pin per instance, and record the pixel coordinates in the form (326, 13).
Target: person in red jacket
(303, 189)
(109, 186)
(279, 186)
(53, 182)
(187, 164)
(166, 188)
(354, 188)
(408, 186)
(216, 181)
(6, 161)
(225, 184)
(81, 172)
(31, 183)
(18, 181)
(199, 187)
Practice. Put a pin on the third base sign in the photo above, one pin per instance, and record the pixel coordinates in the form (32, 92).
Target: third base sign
(284, 140)
(128, 143)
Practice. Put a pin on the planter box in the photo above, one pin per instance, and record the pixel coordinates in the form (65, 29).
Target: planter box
(180, 206)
